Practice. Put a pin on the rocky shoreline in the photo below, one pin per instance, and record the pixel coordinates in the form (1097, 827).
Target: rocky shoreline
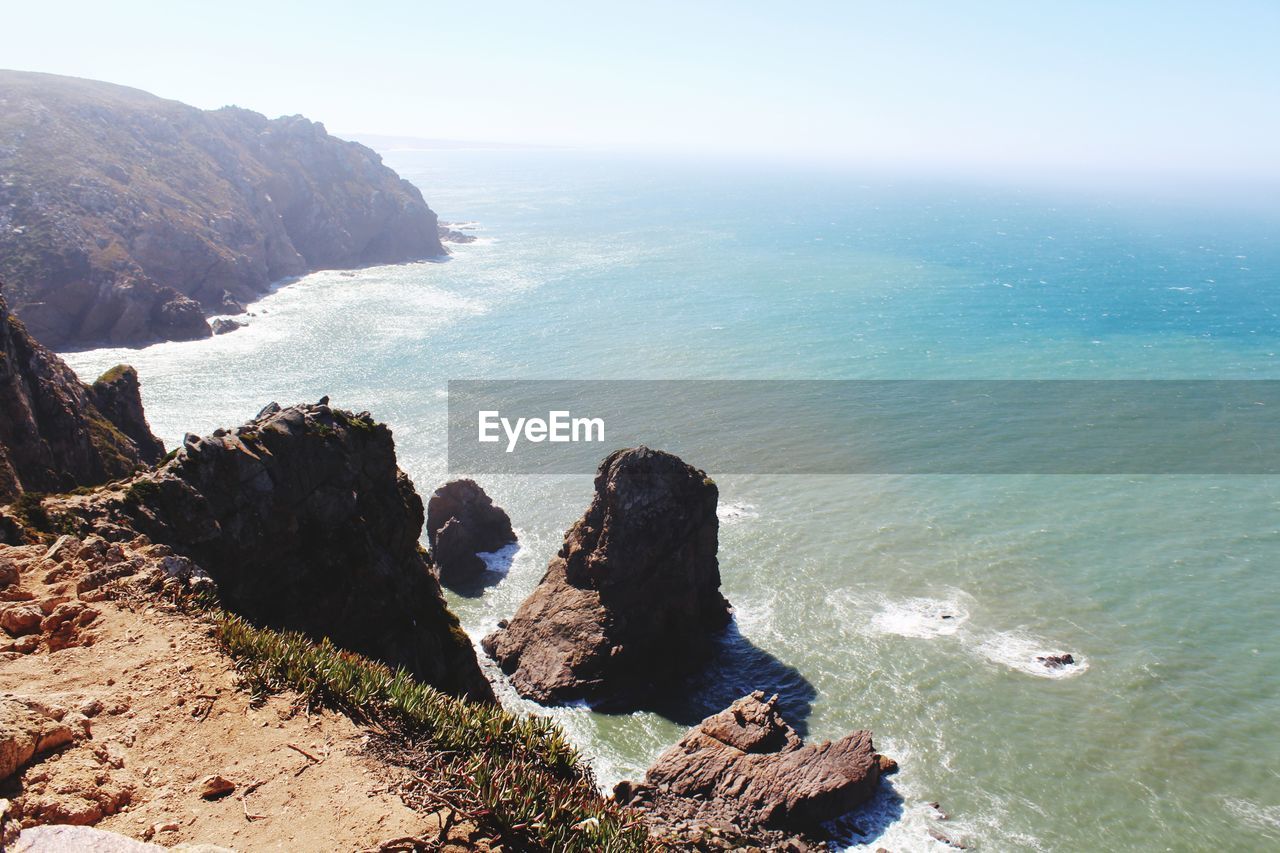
(127, 219)
(300, 520)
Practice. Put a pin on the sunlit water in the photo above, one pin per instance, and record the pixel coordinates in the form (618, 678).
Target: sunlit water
(1164, 737)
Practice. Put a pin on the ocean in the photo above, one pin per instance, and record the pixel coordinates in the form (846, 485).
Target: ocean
(604, 266)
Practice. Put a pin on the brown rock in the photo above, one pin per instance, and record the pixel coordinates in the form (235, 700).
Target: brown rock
(633, 596)
(215, 787)
(887, 765)
(745, 765)
(29, 727)
(79, 787)
(63, 628)
(20, 619)
(462, 522)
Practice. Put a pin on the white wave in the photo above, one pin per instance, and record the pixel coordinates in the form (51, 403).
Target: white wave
(732, 512)
(500, 561)
(1023, 652)
(924, 618)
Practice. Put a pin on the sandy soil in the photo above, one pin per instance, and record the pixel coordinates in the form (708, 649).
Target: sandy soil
(162, 713)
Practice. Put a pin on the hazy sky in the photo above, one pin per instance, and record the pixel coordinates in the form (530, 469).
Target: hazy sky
(1102, 86)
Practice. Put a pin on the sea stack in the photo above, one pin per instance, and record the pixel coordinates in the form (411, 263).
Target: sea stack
(462, 523)
(632, 597)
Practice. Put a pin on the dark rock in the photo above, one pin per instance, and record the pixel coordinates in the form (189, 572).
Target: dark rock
(304, 521)
(155, 213)
(1056, 661)
(633, 596)
(222, 325)
(450, 235)
(118, 396)
(747, 767)
(53, 437)
(462, 522)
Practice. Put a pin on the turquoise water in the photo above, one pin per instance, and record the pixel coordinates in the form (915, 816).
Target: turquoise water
(601, 267)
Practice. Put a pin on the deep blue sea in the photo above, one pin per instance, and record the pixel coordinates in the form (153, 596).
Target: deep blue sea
(1165, 588)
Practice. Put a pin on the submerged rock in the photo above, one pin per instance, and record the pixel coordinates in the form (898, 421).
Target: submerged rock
(304, 521)
(633, 596)
(463, 522)
(747, 769)
(1057, 661)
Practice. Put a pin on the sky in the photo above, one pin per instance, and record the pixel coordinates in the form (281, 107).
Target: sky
(1076, 86)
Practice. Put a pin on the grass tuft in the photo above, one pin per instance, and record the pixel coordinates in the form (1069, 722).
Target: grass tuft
(528, 779)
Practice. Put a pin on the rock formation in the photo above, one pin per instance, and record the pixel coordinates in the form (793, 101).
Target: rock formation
(118, 396)
(463, 522)
(305, 522)
(53, 437)
(746, 770)
(633, 595)
(125, 218)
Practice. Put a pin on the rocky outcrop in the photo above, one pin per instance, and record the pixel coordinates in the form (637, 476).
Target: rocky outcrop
(53, 437)
(118, 396)
(746, 771)
(462, 522)
(633, 595)
(30, 727)
(125, 218)
(304, 521)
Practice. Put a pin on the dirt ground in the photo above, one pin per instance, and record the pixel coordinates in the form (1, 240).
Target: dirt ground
(156, 711)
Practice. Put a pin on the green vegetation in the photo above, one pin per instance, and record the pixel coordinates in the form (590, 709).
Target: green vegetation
(113, 375)
(529, 782)
(29, 509)
(140, 491)
(109, 441)
(357, 422)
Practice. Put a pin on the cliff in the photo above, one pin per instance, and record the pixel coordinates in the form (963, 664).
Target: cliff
(304, 521)
(125, 218)
(53, 436)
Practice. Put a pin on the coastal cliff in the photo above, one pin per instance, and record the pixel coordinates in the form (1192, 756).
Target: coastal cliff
(126, 218)
(304, 521)
(56, 433)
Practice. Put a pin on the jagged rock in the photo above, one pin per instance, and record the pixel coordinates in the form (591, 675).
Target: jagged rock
(222, 325)
(53, 437)
(215, 786)
(632, 597)
(303, 520)
(118, 396)
(156, 213)
(80, 787)
(746, 767)
(21, 619)
(1057, 661)
(462, 522)
(29, 727)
